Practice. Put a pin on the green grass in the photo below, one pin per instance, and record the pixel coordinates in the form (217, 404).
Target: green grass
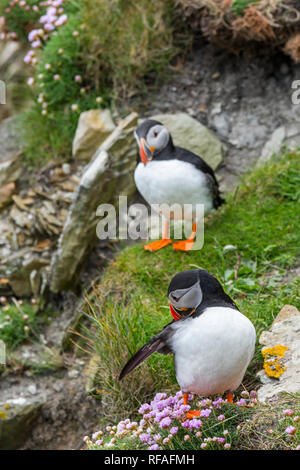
(130, 304)
(18, 322)
(238, 6)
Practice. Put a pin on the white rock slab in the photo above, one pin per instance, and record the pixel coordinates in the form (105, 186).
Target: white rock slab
(285, 330)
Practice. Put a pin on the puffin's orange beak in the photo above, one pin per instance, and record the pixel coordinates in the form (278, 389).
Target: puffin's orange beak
(145, 151)
(175, 315)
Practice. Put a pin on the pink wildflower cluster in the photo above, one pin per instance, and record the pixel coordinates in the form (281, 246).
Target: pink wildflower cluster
(50, 21)
(164, 425)
(291, 420)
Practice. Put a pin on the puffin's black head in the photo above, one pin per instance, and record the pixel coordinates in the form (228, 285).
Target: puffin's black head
(188, 290)
(185, 293)
(152, 137)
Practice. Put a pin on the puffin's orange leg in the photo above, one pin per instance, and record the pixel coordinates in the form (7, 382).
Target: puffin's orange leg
(229, 397)
(165, 241)
(186, 245)
(192, 413)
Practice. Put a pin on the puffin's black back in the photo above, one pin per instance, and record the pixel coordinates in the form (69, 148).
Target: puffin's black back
(213, 292)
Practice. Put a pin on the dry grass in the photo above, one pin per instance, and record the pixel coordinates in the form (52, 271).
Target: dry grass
(247, 26)
(292, 48)
(265, 428)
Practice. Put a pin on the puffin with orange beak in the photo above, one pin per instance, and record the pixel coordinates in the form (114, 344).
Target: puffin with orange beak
(211, 340)
(167, 175)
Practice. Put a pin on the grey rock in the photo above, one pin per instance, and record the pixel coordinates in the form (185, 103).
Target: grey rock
(8, 52)
(194, 136)
(73, 374)
(284, 137)
(284, 331)
(6, 193)
(272, 146)
(19, 279)
(10, 170)
(94, 126)
(66, 168)
(10, 151)
(16, 420)
(32, 389)
(109, 175)
(11, 141)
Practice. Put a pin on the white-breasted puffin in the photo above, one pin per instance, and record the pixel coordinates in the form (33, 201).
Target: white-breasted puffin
(172, 175)
(211, 340)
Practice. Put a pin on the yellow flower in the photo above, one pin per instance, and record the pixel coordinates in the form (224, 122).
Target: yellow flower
(2, 415)
(273, 360)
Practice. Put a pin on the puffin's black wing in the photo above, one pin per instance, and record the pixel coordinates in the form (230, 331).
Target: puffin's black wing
(156, 344)
(200, 164)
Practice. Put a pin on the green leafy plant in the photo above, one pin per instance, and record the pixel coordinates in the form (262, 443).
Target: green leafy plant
(18, 321)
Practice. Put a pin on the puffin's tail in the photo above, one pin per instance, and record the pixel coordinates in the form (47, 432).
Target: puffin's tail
(218, 200)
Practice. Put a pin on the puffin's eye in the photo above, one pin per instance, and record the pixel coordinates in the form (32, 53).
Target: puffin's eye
(175, 298)
(155, 134)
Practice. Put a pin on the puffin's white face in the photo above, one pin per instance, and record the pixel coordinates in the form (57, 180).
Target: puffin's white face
(151, 140)
(157, 138)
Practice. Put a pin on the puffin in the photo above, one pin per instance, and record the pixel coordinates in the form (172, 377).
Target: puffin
(167, 175)
(211, 340)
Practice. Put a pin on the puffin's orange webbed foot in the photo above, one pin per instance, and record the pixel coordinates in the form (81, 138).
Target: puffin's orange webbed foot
(184, 245)
(155, 246)
(193, 413)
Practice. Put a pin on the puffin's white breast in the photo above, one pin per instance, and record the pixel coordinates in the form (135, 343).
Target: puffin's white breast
(173, 182)
(212, 351)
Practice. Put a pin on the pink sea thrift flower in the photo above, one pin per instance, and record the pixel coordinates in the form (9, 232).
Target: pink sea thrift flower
(36, 44)
(61, 20)
(174, 430)
(34, 33)
(288, 412)
(165, 422)
(290, 430)
(49, 27)
(145, 408)
(154, 447)
(205, 413)
(241, 402)
(146, 438)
